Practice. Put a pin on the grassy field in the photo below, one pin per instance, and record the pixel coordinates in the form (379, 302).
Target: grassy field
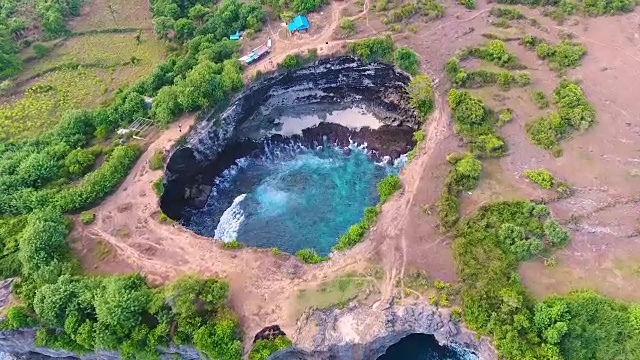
(101, 63)
(104, 14)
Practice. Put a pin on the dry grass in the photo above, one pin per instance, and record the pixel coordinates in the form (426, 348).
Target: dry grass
(102, 14)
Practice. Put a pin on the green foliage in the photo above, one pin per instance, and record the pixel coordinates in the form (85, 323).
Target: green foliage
(494, 51)
(475, 124)
(309, 256)
(469, 4)
(387, 186)
(407, 60)
(263, 348)
(487, 248)
(290, 62)
(504, 116)
(462, 78)
(156, 160)
(555, 234)
(373, 49)
(40, 50)
(357, 231)
(541, 177)
(540, 99)
(507, 13)
(79, 161)
(233, 244)
(421, 94)
(348, 26)
(566, 54)
(464, 175)
(158, 186)
(18, 317)
(574, 113)
(87, 217)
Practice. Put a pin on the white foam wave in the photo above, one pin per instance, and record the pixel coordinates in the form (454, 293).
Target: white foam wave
(230, 221)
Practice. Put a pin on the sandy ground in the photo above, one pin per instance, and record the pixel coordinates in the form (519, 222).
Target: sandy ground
(603, 254)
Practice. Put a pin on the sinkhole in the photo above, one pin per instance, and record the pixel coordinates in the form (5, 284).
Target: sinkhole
(294, 160)
(424, 347)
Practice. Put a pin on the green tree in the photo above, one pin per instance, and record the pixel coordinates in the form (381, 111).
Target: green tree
(79, 161)
(421, 94)
(407, 60)
(122, 301)
(184, 29)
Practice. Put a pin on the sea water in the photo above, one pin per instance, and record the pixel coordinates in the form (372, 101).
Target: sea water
(424, 347)
(292, 197)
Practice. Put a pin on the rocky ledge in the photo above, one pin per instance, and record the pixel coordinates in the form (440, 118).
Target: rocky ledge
(327, 85)
(361, 332)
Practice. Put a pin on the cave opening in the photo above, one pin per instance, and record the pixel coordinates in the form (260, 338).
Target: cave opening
(419, 346)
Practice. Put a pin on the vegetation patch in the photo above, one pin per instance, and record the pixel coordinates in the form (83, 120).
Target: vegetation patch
(494, 51)
(263, 348)
(540, 99)
(508, 13)
(158, 186)
(574, 113)
(421, 94)
(561, 56)
(464, 175)
(156, 160)
(232, 245)
(348, 26)
(407, 60)
(310, 256)
(582, 325)
(336, 292)
(541, 177)
(461, 78)
(373, 49)
(87, 217)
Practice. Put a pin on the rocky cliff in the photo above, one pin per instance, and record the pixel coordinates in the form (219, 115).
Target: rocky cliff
(361, 332)
(220, 138)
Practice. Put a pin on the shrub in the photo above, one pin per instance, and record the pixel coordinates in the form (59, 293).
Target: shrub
(79, 161)
(469, 4)
(41, 50)
(507, 13)
(501, 23)
(233, 244)
(522, 78)
(263, 348)
(348, 26)
(465, 174)
(158, 186)
(163, 218)
(421, 94)
(309, 256)
(275, 251)
(546, 132)
(290, 62)
(494, 51)
(407, 60)
(18, 317)
(541, 177)
(573, 106)
(504, 116)
(447, 210)
(540, 99)
(373, 49)
(555, 234)
(87, 217)
(566, 54)
(156, 160)
(387, 186)
(357, 231)
(504, 80)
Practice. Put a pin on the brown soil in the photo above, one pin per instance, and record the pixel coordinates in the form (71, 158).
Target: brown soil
(597, 163)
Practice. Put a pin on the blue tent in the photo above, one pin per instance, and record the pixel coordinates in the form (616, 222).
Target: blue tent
(235, 36)
(300, 22)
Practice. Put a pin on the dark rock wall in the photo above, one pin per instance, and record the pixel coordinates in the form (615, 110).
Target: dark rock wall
(327, 85)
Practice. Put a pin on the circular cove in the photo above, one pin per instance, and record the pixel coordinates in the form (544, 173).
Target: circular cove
(424, 347)
(297, 168)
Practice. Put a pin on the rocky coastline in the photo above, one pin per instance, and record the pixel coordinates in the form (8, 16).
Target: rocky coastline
(357, 332)
(327, 85)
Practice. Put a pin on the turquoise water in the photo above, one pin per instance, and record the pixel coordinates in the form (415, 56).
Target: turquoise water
(424, 347)
(291, 198)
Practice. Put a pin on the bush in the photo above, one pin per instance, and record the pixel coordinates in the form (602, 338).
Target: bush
(18, 317)
(156, 161)
(494, 51)
(309, 256)
(158, 187)
(540, 99)
(291, 62)
(469, 4)
(79, 161)
(357, 231)
(373, 49)
(507, 13)
(504, 116)
(87, 217)
(233, 244)
(465, 174)
(348, 26)
(387, 186)
(421, 94)
(541, 177)
(263, 348)
(407, 60)
(566, 54)
(40, 50)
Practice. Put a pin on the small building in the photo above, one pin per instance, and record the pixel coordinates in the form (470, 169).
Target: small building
(255, 54)
(235, 36)
(299, 23)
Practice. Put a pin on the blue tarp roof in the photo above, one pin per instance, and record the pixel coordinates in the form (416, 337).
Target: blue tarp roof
(300, 22)
(235, 36)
